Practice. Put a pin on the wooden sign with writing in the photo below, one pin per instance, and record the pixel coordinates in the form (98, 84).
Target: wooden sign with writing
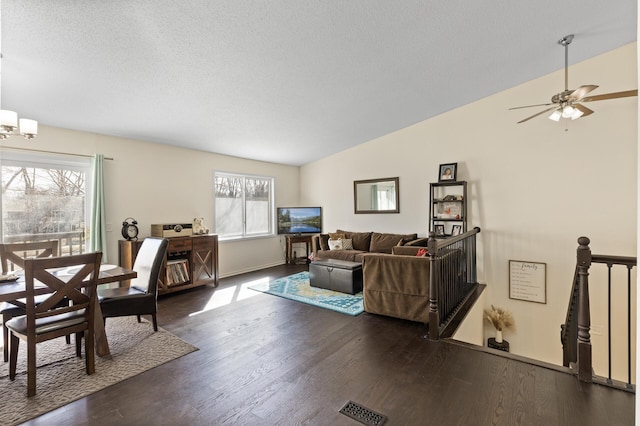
(528, 281)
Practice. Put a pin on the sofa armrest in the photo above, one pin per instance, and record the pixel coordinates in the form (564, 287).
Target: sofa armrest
(396, 286)
(401, 274)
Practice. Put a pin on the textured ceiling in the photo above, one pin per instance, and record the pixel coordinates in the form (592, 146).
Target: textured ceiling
(286, 81)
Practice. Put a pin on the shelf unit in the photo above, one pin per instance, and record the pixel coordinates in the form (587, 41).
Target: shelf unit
(190, 262)
(448, 206)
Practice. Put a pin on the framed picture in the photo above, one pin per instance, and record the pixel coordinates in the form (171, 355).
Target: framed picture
(439, 230)
(449, 210)
(456, 230)
(448, 172)
(528, 281)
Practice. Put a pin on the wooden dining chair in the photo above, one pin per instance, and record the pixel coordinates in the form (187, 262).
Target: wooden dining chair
(140, 298)
(12, 256)
(77, 282)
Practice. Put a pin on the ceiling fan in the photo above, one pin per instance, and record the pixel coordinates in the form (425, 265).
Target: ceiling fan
(568, 103)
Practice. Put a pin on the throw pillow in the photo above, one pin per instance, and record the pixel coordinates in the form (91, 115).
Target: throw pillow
(335, 244)
(422, 252)
(324, 241)
(347, 244)
(336, 236)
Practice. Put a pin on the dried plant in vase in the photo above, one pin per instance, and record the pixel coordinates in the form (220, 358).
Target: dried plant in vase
(499, 319)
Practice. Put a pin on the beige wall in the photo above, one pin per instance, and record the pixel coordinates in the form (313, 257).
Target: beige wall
(534, 187)
(157, 183)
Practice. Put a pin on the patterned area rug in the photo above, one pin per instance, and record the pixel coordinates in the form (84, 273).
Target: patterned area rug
(61, 376)
(296, 287)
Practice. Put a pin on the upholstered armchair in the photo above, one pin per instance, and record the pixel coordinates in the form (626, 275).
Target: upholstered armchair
(140, 298)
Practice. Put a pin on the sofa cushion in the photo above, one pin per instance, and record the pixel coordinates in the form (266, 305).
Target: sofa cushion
(349, 255)
(336, 236)
(384, 243)
(361, 240)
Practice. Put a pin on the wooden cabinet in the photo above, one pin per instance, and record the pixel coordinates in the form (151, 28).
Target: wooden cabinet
(448, 208)
(191, 262)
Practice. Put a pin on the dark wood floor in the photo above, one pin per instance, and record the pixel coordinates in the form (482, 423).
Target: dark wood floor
(264, 360)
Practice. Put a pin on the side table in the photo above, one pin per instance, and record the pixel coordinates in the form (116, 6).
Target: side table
(502, 346)
(293, 239)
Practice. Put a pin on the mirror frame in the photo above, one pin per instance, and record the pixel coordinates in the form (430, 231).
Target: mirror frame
(396, 184)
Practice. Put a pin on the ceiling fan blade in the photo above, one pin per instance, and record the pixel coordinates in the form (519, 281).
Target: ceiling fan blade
(612, 95)
(537, 114)
(581, 91)
(529, 106)
(585, 111)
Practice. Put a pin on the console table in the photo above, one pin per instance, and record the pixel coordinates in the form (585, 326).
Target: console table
(293, 239)
(190, 262)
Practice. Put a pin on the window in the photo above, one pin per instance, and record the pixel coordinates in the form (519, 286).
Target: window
(44, 197)
(243, 205)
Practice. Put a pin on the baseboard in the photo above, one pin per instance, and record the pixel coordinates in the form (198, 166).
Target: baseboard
(252, 269)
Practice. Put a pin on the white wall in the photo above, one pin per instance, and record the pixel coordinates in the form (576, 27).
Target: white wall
(534, 188)
(157, 183)
(471, 330)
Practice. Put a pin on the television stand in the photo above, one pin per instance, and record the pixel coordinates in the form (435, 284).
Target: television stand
(296, 239)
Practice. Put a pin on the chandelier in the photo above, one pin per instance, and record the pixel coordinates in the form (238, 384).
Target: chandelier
(10, 125)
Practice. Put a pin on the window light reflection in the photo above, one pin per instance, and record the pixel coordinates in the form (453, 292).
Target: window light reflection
(227, 295)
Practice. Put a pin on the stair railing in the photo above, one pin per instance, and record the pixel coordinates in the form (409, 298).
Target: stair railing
(576, 334)
(453, 277)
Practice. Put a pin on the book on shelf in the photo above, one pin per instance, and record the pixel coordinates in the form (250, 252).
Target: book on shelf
(177, 271)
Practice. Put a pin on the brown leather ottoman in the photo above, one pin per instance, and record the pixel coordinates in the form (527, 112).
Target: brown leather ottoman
(337, 275)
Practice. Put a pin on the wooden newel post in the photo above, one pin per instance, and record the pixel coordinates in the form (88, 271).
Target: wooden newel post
(434, 315)
(585, 369)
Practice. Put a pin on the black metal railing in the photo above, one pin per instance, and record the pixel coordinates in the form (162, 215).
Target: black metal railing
(576, 331)
(453, 277)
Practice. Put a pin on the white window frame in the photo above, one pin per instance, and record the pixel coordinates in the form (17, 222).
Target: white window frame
(50, 161)
(271, 208)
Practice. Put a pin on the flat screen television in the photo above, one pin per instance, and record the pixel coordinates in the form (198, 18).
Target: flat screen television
(299, 220)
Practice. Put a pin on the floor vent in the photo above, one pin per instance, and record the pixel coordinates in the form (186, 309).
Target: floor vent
(363, 414)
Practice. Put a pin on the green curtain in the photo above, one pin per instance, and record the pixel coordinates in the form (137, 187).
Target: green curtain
(98, 230)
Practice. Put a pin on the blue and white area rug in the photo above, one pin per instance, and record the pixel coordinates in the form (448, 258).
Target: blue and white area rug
(296, 287)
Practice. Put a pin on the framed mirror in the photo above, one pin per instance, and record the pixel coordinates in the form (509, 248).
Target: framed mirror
(376, 195)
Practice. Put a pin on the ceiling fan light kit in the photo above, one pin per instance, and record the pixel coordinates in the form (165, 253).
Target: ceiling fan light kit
(568, 103)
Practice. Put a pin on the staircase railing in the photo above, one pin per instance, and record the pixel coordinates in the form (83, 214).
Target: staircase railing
(453, 277)
(576, 331)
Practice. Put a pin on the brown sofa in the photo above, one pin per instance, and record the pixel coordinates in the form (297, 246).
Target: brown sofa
(363, 243)
(397, 285)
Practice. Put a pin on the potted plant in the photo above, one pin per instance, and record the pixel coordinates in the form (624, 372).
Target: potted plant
(499, 319)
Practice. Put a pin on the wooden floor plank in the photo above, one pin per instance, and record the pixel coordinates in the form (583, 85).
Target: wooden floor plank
(265, 360)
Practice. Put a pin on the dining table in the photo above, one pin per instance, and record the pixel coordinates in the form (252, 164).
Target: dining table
(15, 289)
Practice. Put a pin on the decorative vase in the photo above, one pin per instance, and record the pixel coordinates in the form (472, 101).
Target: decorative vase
(498, 336)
